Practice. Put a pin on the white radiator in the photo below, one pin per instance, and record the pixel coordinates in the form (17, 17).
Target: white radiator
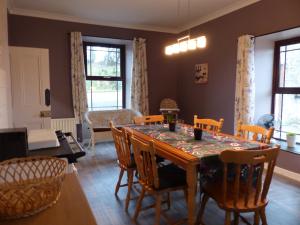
(65, 125)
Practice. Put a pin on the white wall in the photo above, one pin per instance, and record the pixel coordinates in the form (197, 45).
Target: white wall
(264, 54)
(5, 83)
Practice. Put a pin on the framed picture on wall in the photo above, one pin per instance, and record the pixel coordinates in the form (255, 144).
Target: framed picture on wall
(201, 73)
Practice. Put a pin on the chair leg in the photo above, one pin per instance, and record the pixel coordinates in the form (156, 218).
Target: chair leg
(168, 200)
(130, 181)
(202, 207)
(256, 218)
(157, 209)
(185, 195)
(119, 181)
(236, 218)
(262, 213)
(138, 204)
(227, 218)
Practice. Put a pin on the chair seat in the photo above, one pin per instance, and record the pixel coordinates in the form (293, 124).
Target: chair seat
(214, 190)
(171, 176)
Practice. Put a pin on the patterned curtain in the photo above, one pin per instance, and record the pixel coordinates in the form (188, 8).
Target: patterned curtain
(245, 86)
(139, 88)
(78, 76)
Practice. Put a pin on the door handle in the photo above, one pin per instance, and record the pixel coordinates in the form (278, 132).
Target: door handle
(47, 97)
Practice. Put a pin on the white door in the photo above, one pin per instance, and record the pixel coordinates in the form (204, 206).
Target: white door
(30, 87)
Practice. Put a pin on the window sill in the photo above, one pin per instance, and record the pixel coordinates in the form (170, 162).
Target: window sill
(284, 147)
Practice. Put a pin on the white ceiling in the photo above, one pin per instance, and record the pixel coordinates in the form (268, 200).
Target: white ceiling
(159, 15)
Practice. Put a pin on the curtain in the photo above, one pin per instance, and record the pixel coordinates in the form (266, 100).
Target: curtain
(245, 86)
(78, 76)
(139, 88)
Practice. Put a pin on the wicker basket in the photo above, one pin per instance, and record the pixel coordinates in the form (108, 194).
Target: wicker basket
(29, 185)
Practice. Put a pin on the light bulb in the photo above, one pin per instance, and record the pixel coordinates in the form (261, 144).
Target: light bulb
(183, 46)
(169, 50)
(192, 44)
(201, 42)
(175, 48)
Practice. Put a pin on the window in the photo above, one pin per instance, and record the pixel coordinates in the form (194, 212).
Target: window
(286, 88)
(105, 75)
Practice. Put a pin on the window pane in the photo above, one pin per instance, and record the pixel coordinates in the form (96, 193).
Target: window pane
(103, 61)
(282, 48)
(293, 47)
(290, 68)
(89, 92)
(282, 69)
(292, 73)
(106, 95)
(287, 117)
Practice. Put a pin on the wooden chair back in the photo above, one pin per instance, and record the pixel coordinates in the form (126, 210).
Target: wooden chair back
(122, 146)
(146, 120)
(208, 125)
(254, 132)
(247, 191)
(144, 156)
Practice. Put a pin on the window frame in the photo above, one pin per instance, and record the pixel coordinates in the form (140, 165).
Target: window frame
(122, 77)
(276, 89)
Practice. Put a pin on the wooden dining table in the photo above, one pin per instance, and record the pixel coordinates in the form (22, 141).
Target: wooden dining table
(182, 149)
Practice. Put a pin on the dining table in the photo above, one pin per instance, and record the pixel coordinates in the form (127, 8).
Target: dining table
(181, 148)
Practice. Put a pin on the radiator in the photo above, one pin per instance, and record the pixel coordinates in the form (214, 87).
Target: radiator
(65, 125)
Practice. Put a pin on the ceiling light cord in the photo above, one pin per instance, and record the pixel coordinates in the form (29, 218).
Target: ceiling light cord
(185, 43)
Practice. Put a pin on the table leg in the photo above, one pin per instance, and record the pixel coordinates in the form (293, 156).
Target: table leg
(191, 179)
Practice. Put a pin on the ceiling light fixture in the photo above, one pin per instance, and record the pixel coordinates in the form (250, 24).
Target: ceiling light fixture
(185, 43)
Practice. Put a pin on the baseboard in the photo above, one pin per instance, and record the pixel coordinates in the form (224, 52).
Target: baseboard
(286, 173)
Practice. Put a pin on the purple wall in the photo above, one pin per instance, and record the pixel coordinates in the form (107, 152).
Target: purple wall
(54, 35)
(168, 76)
(216, 99)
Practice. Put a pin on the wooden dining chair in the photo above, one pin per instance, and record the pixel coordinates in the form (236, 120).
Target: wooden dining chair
(146, 120)
(254, 132)
(208, 125)
(240, 191)
(125, 160)
(155, 180)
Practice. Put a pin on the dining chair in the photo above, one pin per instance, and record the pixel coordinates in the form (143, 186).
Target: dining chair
(125, 160)
(254, 132)
(241, 193)
(209, 125)
(152, 119)
(155, 180)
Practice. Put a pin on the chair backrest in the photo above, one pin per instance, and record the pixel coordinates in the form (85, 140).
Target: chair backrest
(247, 182)
(122, 146)
(209, 125)
(144, 156)
(146, 120)
(254, 132)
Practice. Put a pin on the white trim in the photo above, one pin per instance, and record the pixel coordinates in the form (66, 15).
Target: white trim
(214, 15)
(286, 173)
(68, 18)
(55, 16)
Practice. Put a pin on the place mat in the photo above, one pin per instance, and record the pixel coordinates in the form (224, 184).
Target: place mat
(183, 139)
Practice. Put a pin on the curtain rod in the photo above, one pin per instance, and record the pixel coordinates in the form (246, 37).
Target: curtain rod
(86, 35)
(291, 28)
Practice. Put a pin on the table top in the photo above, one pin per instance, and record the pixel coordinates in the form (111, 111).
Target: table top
(71, 208)
(183, 139)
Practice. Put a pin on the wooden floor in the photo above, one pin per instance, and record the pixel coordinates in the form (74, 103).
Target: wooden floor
(98, 175)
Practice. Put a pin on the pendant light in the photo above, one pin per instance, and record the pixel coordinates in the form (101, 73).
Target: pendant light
(185, 43)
